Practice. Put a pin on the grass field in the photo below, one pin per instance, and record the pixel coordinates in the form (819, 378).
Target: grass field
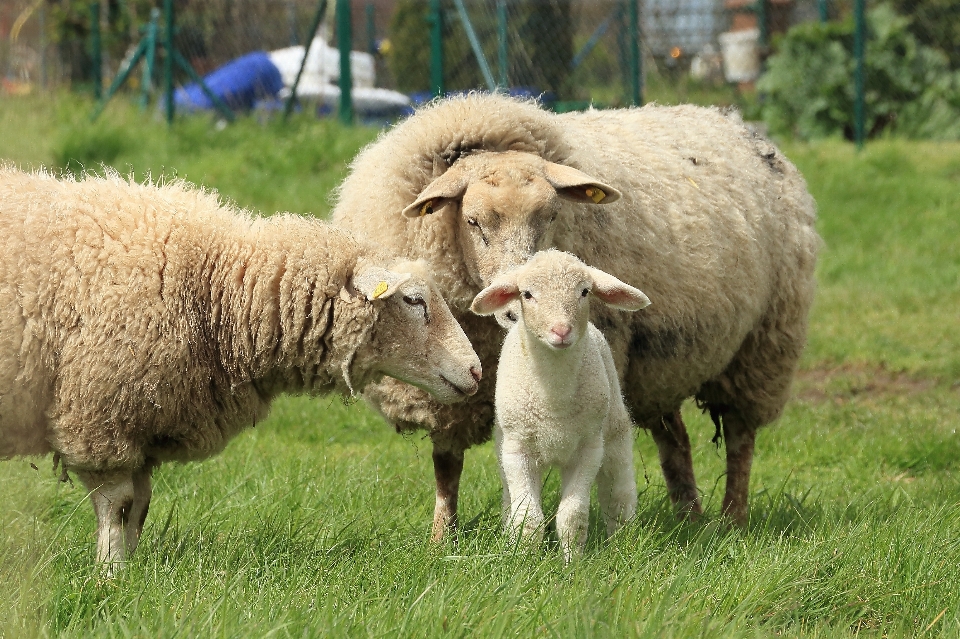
(316, 522)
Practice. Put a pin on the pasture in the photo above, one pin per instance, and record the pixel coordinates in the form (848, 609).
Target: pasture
(316, 523)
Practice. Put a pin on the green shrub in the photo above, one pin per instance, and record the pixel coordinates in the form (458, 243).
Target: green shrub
(910, 88)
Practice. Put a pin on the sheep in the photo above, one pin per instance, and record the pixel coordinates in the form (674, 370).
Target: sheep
(146, 323)
(711, 221)
(558, 401)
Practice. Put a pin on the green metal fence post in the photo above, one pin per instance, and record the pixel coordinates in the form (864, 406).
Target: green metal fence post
(859, 47)
(761, 9)
(436, 48)
(168, 60)
(823, 8)
(636, 70)
(96, 58)
(311, 34)
(503, 80)
(42, 19)
(344, 37)
(475, 45)
(371, 30)
(150, 57)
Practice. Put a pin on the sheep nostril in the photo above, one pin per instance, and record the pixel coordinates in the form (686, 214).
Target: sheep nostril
(476, 372)
(561, 331)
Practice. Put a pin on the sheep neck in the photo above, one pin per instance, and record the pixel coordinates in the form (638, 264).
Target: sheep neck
(272, 318)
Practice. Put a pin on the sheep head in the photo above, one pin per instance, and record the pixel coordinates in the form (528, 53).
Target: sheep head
(553, 290)
(415, 337)
(507, 205)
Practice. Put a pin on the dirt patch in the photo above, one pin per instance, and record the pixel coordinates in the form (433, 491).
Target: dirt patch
(847, 382)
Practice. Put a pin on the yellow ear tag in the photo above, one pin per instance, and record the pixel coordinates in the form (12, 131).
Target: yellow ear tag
(380, 290)
(427, 208)
(596, 194)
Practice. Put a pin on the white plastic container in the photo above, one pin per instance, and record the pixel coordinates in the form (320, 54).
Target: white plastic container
(323, 65)
(741, 60)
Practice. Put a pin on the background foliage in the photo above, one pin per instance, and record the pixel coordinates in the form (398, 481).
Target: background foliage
(911, 90)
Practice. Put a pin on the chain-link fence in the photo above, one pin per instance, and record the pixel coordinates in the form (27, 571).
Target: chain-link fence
(792, 63)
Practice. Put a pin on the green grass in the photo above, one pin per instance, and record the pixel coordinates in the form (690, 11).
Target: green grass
(315, 523)
(271, 166)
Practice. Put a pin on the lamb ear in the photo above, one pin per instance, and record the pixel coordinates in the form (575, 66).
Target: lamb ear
(575, 185)
(615, 293)
(445, 189)
(378, 283)
(497, 296)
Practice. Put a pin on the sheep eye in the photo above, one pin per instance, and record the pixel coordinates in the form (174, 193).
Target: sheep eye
(527, 295)
(584, 292)
(416, 300)
(553, 218)
(473, 222)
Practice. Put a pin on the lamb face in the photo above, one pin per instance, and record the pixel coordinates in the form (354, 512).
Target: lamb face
(415, 338)
(507, 206)
(553, 290)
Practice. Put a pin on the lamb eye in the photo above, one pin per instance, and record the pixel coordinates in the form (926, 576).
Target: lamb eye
(473, 222)
(527, 295)
(584, 292)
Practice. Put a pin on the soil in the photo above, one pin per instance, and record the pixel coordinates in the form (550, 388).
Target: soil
(847, 382)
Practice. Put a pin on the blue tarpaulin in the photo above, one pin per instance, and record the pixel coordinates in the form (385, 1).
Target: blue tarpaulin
(240, 83)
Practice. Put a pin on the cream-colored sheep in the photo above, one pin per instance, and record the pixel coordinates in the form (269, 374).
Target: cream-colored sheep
(685, 203)
(558, 401)
(145, 323)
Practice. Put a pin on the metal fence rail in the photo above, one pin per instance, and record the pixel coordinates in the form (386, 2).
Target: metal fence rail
(779, 60)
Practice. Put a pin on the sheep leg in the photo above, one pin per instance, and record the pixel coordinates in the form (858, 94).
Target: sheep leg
(447, 468)
(142, 492)
(112, 495)
(574, 511)
(739, 439)
(616, 480)
(524, 482)
(673, 448)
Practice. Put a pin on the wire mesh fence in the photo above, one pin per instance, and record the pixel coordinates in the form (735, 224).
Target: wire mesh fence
(793, 63)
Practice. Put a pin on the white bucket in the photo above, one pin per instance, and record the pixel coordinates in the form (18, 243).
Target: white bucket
(741, 61)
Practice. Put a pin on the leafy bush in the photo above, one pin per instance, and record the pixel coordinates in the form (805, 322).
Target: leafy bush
(910, 88)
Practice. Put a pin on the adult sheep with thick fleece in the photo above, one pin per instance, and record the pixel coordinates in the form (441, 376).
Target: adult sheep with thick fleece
(558, 401)
(145, 323)
(685, 203)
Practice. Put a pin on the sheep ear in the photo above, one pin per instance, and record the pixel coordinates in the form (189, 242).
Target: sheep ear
(376, 283)
(615, 293)
(496, 297)
(445, 189)
(575, 185)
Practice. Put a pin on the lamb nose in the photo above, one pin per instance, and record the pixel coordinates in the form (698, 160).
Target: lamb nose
(561, 331)
(476, 372)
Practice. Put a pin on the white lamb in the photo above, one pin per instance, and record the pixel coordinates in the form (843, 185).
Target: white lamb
(558, 400)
